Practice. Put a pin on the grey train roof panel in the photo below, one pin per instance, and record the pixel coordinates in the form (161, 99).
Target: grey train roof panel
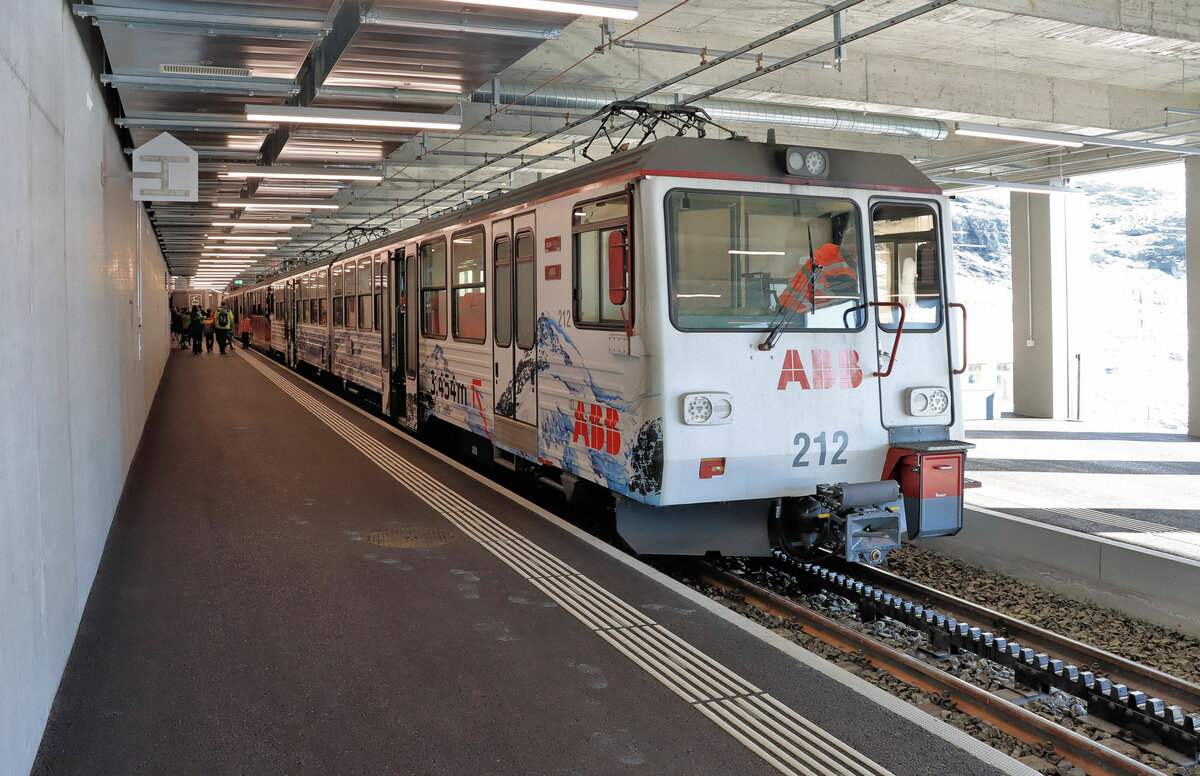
(689, 156)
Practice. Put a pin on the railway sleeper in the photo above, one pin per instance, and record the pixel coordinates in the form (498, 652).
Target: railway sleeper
(1147, 717)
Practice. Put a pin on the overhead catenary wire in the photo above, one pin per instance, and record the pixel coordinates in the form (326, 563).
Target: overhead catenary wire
(825, 13)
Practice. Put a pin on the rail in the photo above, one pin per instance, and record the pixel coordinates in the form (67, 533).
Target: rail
(949, 690)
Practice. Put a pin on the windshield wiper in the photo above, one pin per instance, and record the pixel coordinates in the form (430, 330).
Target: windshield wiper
(816, 270)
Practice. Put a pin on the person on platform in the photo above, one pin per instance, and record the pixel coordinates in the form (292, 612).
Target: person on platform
(196, 328)
(210, 329)
(223, 324)
(244, 330)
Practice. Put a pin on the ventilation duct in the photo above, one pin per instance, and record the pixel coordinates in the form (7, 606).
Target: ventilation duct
(830, 119)
(205, 70)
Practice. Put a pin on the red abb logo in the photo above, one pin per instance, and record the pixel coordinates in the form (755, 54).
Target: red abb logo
(821, 372)
(597, 427)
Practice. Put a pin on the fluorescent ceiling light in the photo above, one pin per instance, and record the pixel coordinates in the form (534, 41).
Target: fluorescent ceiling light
(293, 114)
(1021, 135)
(303, 173)
(394, 83)
(386, 18)
(1031, 188)
(265, 224)
(1069, 139)
(558, 6)
(259, 256)
(259, 248)
(279, 204)
(249, 237)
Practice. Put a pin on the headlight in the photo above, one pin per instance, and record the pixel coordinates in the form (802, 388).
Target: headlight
(928, 401)
(707, 409)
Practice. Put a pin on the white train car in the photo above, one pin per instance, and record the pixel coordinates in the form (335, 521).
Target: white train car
(751, 346)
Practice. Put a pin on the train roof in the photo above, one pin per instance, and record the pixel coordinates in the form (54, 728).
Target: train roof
(688, 157)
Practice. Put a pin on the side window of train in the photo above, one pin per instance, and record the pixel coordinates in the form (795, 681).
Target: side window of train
(470, 308)
(349, 279)
(380, 284)
(502, 304)
(366, 290)
(335, 280)
(432, 257)
(322, 290)
(526, 285)
(603, 269)
(303, 294)
(907, 264)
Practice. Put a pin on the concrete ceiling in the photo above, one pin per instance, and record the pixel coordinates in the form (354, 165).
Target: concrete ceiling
(1109, 70)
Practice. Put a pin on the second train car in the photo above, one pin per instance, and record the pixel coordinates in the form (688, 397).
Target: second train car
(750, 346)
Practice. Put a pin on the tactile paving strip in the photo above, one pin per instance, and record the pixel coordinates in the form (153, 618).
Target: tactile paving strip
(786, 740)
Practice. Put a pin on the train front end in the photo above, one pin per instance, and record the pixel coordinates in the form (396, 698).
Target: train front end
(802, 312)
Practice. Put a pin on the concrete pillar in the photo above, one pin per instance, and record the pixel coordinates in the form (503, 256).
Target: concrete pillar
(1192, 209)
(1041, 240)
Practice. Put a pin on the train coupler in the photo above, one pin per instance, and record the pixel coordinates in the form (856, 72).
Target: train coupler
(872, 515)
(861, 521)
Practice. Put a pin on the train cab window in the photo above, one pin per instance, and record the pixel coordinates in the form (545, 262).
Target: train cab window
(470, 308)
(746, 261)
(603, 262)
(336, 282)
(502, 305)
(907, 265)
(365, 292)
(432, 257)
(525, 286)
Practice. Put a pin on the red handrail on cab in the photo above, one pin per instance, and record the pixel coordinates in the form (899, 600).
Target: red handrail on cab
(964, 335)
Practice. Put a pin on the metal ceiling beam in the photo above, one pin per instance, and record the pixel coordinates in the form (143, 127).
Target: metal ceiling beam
(201, 22)
(438, 23)
(395, 94)
(196, 121)
(211, 85)
(320, 62)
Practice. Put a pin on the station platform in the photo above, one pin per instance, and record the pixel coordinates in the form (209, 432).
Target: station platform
(1137, 487)
(293, 587)
(1100, 513)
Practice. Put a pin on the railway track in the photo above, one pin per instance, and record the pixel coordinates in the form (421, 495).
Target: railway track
(879, 593)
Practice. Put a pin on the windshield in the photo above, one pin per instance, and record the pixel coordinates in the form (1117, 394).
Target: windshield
(747, 261)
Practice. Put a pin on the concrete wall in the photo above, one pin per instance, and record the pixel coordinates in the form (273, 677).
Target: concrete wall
(1043, 251)
(77, 372)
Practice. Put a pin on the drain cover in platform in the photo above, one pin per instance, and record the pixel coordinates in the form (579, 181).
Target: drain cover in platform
(412, 536)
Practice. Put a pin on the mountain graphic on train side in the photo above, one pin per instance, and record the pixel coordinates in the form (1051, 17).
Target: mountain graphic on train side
(560, 359)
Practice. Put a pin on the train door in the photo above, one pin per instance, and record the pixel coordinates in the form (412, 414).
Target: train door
(290, 316)
(912, 330)
(514, 349)
(412, 342)
(394, 336)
